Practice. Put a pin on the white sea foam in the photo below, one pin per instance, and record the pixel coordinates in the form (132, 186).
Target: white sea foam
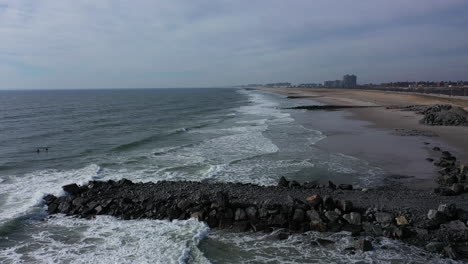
(264, 107)
(25, 192)
(265, 248)
(109, 240)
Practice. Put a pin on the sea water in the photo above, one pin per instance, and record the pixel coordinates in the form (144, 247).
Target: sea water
(220, 135)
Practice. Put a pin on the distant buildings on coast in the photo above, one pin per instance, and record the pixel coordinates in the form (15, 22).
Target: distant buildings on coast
(350, 81)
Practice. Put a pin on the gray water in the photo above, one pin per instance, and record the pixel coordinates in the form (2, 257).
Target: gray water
(227, 135)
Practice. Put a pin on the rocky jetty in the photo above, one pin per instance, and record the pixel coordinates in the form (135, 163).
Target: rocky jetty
(421, 218)
(438, 115)
(452, 178)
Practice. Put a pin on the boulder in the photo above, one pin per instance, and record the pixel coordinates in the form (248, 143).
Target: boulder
(294, 184)
(49, 198)
(435, 247)
(464, 169)
(251, 213)
(353, 218)
(72, 189)
(328, 203)
(371, 229)
(363, 245)
(283, 182)
(449, 210)
(313, 216)
(314, 201)
(457, 188)
(383, 218)
(184, 204)
(197, 215)
(450, 252)
(345, 206)
(298, 216)
(401, 220)
(437, 217)
(240, 214)
(345, 186)
(456, 225)
(278, 220)
(331, 185)
(444, 191)
(332, 216)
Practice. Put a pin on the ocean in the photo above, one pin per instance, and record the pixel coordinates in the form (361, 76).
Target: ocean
(225, 135)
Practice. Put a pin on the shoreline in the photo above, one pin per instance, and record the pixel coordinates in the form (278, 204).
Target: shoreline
(415, 138)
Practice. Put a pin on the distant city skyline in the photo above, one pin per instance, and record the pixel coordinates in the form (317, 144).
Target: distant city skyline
(51, 44)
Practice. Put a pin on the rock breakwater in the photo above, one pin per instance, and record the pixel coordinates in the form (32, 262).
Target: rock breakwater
(417, 217)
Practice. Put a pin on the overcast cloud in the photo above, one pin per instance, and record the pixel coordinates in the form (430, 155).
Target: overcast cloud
(197, 43)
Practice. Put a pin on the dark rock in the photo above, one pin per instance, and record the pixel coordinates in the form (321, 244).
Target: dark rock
(124, 182)
(435, 247)
(449, 210)
(251, 213)
(374, 230)
(283, 182)
(345, 206)
(446, 192)
(240, 214)
(455, 225)
(240, 226)
(462, 215)
(328, 203)
(294, 184)
(298, 216)
(437, 217)
(430, 159)
(52, 208)
(401, 232)
(72, 189)
(450, 252)
(457, 188)
(313, 215)
(363, 245)
(345, 186)
(353, 218)
(331, 185)
(49, 198)
(279, 220)
(332, 216)
(222, 200)
(184, 204)
(383, 218)
(64, 207)
(436, 148)
(314, 201)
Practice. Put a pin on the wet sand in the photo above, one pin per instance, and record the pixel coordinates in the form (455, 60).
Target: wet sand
(384, 144)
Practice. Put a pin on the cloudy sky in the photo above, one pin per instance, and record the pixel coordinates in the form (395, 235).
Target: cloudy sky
(196, 43)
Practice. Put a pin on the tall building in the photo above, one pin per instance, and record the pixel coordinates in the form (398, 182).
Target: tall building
(349, 81)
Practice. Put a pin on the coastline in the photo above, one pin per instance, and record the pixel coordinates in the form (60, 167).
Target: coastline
(391, 139)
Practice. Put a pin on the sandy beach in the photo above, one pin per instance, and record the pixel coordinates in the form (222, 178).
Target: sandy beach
(380, 135)
(455, 136)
